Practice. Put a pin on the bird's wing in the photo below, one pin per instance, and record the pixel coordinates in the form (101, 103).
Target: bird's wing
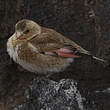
(50, 42)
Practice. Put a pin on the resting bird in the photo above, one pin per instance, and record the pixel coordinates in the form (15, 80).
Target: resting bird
(42, 50)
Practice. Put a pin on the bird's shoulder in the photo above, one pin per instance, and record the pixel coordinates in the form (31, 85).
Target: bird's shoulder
(47, 36)
(47, 40)
(53, 34)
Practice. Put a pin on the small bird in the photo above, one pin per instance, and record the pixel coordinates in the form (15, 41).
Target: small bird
(42, 50)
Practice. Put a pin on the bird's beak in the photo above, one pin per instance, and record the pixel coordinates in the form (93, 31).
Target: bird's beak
(18, 34)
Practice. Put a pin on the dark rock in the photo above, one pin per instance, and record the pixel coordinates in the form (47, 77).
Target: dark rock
(44, 94)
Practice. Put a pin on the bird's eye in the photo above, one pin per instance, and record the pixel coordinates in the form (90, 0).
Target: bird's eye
(25, 32)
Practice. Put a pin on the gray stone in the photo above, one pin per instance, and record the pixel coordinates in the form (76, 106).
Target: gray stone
(45, 94)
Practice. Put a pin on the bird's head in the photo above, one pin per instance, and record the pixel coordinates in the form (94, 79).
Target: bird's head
(26, 29)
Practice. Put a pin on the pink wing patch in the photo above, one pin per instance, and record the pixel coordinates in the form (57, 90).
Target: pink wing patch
(66, 52)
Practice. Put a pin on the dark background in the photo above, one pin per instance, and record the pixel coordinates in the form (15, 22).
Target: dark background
(84, 21)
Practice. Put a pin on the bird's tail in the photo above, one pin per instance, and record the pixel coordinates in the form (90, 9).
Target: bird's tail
(104, 62)
(94, 57)
(99, 59)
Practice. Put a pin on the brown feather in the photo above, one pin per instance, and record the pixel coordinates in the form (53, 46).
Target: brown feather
(50, 40)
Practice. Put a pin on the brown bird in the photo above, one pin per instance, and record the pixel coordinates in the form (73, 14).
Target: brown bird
(42, 50)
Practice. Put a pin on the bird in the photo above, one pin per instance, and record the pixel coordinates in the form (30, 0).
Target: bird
(42, 50)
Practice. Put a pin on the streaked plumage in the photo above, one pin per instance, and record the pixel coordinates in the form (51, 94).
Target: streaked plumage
(41, 50)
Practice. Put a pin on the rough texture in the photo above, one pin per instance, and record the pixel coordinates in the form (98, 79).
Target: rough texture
(46, 94)
(84, 21)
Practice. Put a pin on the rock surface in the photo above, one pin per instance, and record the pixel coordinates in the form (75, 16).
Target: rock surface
(46, 94)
